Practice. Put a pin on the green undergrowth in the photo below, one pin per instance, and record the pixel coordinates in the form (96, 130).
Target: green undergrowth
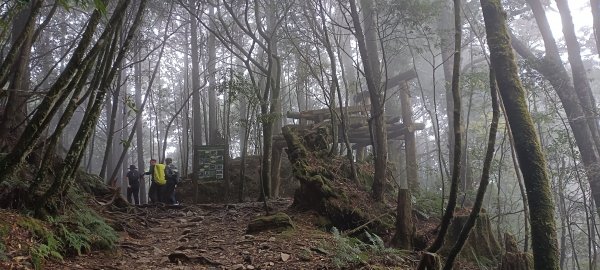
(429, 203)
(4, 230)
(75, 230)
(350, 252)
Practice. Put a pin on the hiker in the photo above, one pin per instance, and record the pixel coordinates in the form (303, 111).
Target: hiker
(157, 172)
(133, 187)
(172, 176)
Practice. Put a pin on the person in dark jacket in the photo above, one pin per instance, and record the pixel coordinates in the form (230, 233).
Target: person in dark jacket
(133, 187)
(172, 175)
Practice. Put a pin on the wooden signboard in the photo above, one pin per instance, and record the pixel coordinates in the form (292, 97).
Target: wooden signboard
(212, 161)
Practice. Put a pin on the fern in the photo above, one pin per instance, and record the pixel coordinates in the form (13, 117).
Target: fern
(42, 252)
(75, 241)
(376, 241)
(49, 246)
(348, 250)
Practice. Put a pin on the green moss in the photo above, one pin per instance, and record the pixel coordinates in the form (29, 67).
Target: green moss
(278, 222)
(529, 152)
(4, 230)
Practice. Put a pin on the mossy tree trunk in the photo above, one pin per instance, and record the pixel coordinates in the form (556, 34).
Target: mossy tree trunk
(20, 43)
(110, 67)
(531, 159)
(78, 85)
(15, 111)
(40, 120)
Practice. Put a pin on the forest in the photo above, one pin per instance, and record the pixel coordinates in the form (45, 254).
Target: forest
(299, 134)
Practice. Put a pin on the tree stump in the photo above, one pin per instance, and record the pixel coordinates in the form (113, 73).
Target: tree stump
(324, 183)
(513, 259)
(481, 245)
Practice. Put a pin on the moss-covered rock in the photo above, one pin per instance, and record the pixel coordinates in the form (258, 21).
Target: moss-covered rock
(278, 222)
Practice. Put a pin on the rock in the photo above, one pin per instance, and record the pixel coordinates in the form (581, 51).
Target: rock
(285, 257)
(278, 222)
(179, 256)
(271, 239)
(247, 258)
(197, 219)
(250, 267)
(264, 245)
(249, 236)
(238, 266)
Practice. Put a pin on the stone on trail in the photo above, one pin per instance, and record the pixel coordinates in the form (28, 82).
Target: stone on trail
(278, 222)
(285, 257)
(238, 266)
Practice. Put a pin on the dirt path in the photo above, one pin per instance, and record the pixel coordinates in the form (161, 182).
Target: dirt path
(208, 237)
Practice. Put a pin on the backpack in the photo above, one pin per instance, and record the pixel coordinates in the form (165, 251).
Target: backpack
(159, 174)
(172, 174)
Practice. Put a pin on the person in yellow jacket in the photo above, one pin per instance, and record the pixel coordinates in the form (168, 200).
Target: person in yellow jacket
(157, 173)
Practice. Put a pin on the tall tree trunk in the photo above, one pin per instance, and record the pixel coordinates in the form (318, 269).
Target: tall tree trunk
(456, 128)
(112, 109)
(25, 36)
(139, 131)
(117, 167)
(445, 29)
(212, 87)
(574, 101)
(531, 159)
(15, 113)
(335, 86)
(53, 99)
(53, 140)
(580, 78)
(367, 44)
(111, 67)
(196, 108)
(185, 123)
(595, 4)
